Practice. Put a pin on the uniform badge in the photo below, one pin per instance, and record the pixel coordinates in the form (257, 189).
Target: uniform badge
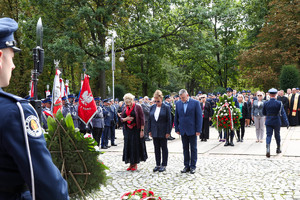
(33, 127)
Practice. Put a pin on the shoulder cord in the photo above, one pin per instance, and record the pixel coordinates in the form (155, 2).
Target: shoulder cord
(28, 150)
(280, 109)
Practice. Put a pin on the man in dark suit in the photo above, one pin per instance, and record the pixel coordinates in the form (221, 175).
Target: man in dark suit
(285, 103)
(188, 124)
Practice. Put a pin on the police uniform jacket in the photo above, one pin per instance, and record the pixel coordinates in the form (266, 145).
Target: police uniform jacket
(98, 120)
(19, 121)
(108, 116)
(273, 109)
(74, 114)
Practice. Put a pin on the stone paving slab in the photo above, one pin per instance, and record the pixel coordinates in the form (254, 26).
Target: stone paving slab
(239, 172)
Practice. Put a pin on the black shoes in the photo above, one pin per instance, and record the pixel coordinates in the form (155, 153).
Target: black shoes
(162, 169)
(156, 169)
(104, 147)
(171, 138)
(185, 170)
(268, 151)
(193, 171)
(278, 149)
(114, 145)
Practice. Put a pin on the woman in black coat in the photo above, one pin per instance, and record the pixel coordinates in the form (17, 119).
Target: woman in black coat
(242, 105)
(207, 113)
(159, 126)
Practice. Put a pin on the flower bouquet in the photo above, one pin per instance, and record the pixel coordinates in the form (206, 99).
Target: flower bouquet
(140, 194)
(226, 115)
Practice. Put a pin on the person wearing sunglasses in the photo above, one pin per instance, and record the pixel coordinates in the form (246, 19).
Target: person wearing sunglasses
(258, 117)
(160, 127)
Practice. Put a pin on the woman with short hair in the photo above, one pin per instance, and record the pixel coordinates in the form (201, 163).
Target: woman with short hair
(160, 127)
(132, 117)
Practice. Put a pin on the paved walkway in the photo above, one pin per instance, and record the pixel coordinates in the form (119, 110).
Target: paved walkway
(239, 172)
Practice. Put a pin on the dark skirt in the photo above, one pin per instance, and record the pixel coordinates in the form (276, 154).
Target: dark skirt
(134, 149)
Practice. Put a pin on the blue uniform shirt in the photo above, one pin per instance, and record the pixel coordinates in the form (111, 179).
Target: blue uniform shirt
(14, 161)
(273, 109)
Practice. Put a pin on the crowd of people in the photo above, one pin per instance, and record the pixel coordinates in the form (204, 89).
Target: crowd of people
(152, 115)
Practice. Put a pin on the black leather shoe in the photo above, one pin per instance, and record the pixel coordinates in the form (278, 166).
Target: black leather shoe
(104, 147)
(242, 140)
(162, 169)
(185, 170)
(156, 169)
(114, 145)
(171, 138)
(193, 171)
(226, 143)
(107, 146)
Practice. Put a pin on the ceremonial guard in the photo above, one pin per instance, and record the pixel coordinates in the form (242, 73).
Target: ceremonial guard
(65, 108)
(26, 168)
(46, 112)
(273, 109)
(98, 122)
(114, 121)
(230, 134)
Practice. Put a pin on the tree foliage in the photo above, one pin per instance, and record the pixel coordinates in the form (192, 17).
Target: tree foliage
(276, 45)
(289, 77)
(169, 44)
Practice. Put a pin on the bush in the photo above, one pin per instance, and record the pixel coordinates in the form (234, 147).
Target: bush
(289, 77)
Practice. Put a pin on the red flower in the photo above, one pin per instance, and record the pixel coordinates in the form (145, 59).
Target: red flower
(152, 193)
(144, 194)
(224, 122)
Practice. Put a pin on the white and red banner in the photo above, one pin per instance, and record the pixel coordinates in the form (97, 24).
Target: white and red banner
(56, 102)
(87, 106)
(31, 89)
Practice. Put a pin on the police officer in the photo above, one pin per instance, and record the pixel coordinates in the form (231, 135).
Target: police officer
(26, 168)
(98, 122)
(107, 124)
(46, 112)
(273, 109)
(65, 106)
(72, 109)
(114, 120)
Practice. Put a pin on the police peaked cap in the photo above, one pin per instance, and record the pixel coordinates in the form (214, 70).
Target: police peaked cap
(229, 89)
(7, 28)
(272, 91)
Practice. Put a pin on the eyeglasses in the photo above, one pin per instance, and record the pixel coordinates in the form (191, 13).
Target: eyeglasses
(156, 101)
(259, 95)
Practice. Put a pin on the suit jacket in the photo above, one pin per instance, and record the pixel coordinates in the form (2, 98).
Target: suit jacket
(162, 126)
(207, 111)
(189, 122)
(257, 110)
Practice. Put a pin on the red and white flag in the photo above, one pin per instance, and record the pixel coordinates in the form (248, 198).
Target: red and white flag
(87, 106)
(31, 89)
(56, 102)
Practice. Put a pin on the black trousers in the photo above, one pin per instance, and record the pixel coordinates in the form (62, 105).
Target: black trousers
(241, 129)
(160, 147)
(97, 133)
(205, 129)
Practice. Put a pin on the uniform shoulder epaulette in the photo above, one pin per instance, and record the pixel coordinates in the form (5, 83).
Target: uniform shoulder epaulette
(12, 97)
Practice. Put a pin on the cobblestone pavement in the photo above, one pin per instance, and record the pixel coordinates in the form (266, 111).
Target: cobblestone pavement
(218, 176)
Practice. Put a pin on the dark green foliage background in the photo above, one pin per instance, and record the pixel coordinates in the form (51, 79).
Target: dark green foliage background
(289, 77)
